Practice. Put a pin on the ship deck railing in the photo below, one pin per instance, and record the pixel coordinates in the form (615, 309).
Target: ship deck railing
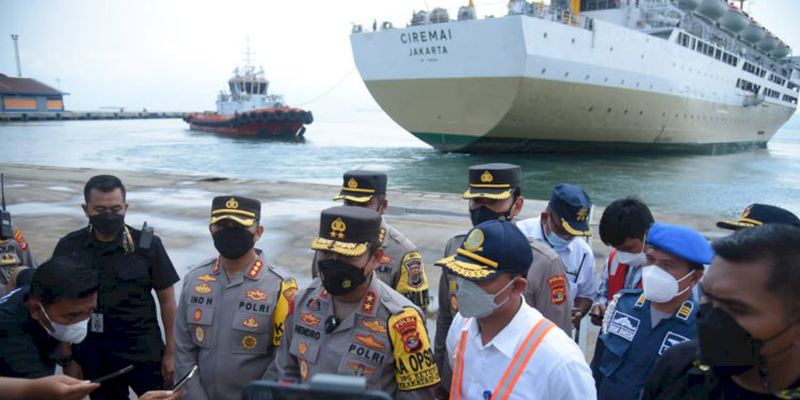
(465, 13)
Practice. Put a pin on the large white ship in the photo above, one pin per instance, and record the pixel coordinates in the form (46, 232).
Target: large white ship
(582, 75)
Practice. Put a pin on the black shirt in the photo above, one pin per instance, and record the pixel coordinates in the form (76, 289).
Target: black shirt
(26, 349)
(130, 322)
(677, 375)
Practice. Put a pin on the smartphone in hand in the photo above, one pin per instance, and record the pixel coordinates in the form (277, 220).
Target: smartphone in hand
(184, 379)
(113, 375)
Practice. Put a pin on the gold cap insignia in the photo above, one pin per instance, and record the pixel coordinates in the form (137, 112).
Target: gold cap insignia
(583, 214)
(338, 227)
(352, 183)
(486, 177)
(232, 203)
(474, 241)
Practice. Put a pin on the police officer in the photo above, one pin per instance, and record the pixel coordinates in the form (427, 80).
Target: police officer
(494, 193)
(232, 308)
(499, 346)
(565, 219)
(760, 214)
(401, 267)
(641, 324)
(15, 252)
(131, 263)
(349, 322)
(747, 325)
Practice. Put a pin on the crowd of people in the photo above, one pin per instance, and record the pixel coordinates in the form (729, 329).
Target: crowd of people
(680, 317)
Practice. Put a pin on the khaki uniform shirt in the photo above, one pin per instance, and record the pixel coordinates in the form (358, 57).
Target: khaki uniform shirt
(230, 328)
(14, 246)
(547, 292)
(401, 268)
(384, 340)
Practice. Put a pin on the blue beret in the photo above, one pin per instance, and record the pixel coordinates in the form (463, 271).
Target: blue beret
(681, 241)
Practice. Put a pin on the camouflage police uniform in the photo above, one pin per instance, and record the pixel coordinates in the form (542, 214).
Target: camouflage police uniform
(402, 267)
(230, 327)
(384, 340)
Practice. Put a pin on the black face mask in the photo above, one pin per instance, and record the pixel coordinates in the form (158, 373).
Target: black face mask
(725, 345)
(233, 243)
(340, 278)
(107, 223)
(483, 214)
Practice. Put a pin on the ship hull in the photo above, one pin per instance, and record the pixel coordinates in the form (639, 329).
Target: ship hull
(267, 123)
(521, 84)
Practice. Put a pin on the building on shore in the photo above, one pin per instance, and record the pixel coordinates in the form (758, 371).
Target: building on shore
(28, 95)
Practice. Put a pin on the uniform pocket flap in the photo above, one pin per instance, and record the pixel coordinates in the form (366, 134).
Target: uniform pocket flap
(304, 349)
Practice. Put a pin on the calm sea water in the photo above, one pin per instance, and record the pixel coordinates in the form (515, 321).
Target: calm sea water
(722, 184)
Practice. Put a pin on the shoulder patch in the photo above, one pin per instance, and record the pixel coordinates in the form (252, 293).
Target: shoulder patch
(23, 244)
(414, 364)
(558, 289)
(413, 282)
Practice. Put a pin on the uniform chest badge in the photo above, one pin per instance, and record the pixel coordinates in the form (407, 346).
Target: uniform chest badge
(313, 304)
(374, 325)
(198, 314)
(206, 278)
(249, 342)
(303, 370)
(624, 325)
(407, 327)
(199, 333)
(671, 339)
(370, 341)
(323, 294)
(360, 369)
(250, 322)
(309, 319)
(386, 259)
(290, 292)
(256, 295)
(203, 288)
(302, 348)
(454, 302)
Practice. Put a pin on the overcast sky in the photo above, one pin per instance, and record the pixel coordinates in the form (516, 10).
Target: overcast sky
(177, 55)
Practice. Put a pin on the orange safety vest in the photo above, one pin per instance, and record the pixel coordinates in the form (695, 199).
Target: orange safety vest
(525, 352)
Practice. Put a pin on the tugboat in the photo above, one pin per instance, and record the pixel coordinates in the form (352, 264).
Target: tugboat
(249, 110)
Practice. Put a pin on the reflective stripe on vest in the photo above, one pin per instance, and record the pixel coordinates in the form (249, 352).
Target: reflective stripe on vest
(506, 385)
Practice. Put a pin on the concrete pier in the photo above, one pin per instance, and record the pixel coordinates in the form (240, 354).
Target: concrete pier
(86, 115)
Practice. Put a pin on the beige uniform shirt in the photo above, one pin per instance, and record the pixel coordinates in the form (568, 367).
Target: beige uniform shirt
(230, 328)
(547, 292)
(384, 340)
(402, 267)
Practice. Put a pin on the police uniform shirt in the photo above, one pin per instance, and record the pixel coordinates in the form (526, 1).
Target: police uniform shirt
(26, 347)
(384, 341)
(678, 375)
(129, 325)
(557, 369)
(578, 258)
(401, 267)
(230, 328)
(629, 346)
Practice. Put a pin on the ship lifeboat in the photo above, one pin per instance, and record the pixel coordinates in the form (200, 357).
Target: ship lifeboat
(734, 20)
(713, 9)
(689, 5)
(769, 43)
(781, 51)
(753, 33)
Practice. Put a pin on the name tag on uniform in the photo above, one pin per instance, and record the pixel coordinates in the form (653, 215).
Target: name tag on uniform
(97, 323)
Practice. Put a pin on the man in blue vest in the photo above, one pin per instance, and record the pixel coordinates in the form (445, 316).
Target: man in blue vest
(639, 325)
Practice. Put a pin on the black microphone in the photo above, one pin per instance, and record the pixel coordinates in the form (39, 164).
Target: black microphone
(331, 324)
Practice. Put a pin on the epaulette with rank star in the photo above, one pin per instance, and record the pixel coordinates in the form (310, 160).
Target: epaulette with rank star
(368, 304)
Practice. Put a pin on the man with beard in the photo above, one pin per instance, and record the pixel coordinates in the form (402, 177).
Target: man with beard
(130, 263)
(230, 320)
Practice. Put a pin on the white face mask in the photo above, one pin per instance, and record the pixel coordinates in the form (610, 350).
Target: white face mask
(74, 333)
(632, 259)
(659, 285)
(473, 301)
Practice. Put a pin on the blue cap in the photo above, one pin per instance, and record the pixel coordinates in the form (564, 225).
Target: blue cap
(572, 205)
(491, 247)
(681, 241)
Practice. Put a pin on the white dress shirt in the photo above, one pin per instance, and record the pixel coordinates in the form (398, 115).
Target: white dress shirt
(557, 370)
(578, 259)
